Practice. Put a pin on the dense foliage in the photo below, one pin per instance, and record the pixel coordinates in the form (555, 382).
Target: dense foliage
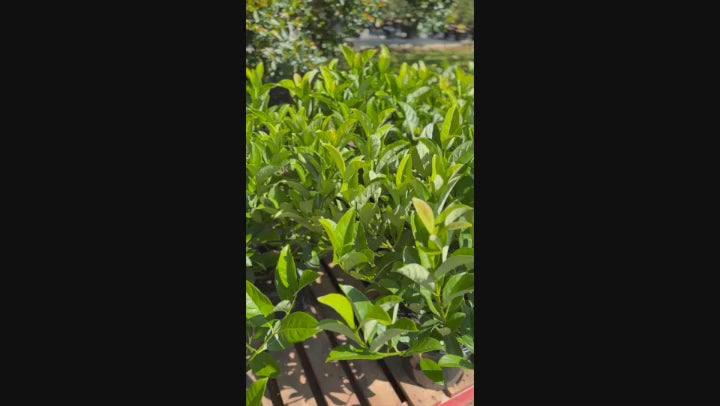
(293, 36)
(373, 169)
(426, 16)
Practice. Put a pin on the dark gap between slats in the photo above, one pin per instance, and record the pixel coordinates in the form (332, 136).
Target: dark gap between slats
(273, 391)
(394, 383)
(310, 375)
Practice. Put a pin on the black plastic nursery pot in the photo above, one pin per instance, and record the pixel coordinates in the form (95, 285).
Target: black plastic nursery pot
(412, 366)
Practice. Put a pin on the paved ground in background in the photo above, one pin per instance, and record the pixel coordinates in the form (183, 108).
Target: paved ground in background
(412, 42)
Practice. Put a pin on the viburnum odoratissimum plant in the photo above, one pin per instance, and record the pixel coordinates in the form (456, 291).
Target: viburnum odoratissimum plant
(371, 168)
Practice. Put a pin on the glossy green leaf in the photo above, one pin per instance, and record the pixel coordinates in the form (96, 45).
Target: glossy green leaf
(307, 278)
(346, 227)
(256, 303)
(255, 393)
(346, 352)
(387, 302)
(399, 327)
(459, 284)
(336, 157)
(377, 313)
(341, 305)
(352, 260)
(340, 328)
(286, 278)
(335, 240)
(264, 365)
(432, 371)
(418, 274)
(283, 306)
(454, 320)
(426, 344)
(360, 303)
(454, 361)
(404, 173)
(298, 327)
(453, 263)
(384, 62)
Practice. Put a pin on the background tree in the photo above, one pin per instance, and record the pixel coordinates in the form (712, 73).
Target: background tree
(295, 36)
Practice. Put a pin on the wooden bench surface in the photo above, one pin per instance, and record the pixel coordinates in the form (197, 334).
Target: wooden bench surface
(308, 380)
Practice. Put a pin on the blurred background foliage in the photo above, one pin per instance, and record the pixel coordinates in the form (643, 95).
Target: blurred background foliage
(295, 36)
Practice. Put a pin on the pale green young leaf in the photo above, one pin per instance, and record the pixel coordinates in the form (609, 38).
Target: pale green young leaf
(349, 55)
(255, 393)
(425, 212)
(404, 173)
(346, 227)
(335, 240)
(341, 305)
(454, 361)
(346, 352)
(459, 225)
(384, 61)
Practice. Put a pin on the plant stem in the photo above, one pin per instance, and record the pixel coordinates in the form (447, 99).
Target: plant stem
(273, 332)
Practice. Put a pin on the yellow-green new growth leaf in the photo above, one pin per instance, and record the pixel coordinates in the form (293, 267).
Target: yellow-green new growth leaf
(347, 352)
(255, 393)
(341, 305)
(336, 157)
(384, 62)
(450, 125)
(404, 173)
(426, 214)
(335, 240)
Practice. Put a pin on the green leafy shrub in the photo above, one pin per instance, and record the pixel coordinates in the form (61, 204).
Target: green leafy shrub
(425, 15)
(373, 168)
(294, 36)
